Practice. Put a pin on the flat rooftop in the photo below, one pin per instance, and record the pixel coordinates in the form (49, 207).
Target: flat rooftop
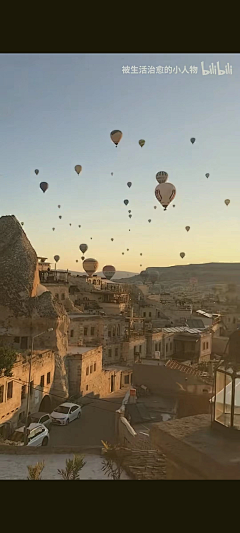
(75, 350)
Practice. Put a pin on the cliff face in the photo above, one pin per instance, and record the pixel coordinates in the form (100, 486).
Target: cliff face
(19, 276)
(25, 308)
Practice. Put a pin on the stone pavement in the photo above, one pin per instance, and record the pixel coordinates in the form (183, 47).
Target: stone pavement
(15, 466)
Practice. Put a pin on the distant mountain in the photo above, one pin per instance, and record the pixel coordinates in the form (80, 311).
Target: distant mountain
(119, 274)
(205, 273)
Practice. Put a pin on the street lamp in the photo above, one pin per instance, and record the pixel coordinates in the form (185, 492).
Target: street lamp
(29, 380)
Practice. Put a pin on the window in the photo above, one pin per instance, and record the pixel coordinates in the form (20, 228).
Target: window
(42, 381)
(110, 353)
(91, 369)
(109, 333)
(57, 296)
(71, 333)
(86, 387)
(31, 388)
(23, 393)
(10, 390)
(85, 332)
(140, 348)
(1, 393)
(62, 296)
(95, 367)
(73, 409)
(24, 343)
(48, 377)
(44, 419)
(204, 346)
(144, 314)
(170, 345)
(114, 331)
(166, 348)
(234, 320)
(126, 380)
(17, 340)
(149, 314)
(116, 352)
(92, 331)
(118, 330)
(87, 370)
(156, 347)
(160, 346)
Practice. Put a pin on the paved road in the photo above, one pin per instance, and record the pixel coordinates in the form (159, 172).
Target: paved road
(96, 423)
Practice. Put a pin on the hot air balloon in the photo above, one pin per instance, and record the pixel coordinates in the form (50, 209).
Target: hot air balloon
(70, 224)
(140, 265)
(22, 223)
(140, 254)
(111, 173)
(207, 175)
(36, 171)
(149, 220)
(161, 176)
(109, 271)
(82, 257)
(116, 136)
(192, 140)
(155, 207)
(141, 142)
(59, 206)
(144, 275)
(130, 216)
(60, 217)
(187, 228)
(76, 260)
(83, 248)
(227, 202)
(129, 184)
(112, 239)
(165, 192)
(90, 266)
(127, 249)
(79, 226)
(122, 253)
(126, 202)
(129, 230)
(182, 255)
(44, 186)
(153, 276)
(173, 205)
(53, 229)
(129, 210)
(56, 258)
(78, 169)
(91, 238)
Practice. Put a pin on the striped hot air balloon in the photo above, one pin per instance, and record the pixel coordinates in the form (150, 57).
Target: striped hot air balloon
(109, 271)
(90, 266)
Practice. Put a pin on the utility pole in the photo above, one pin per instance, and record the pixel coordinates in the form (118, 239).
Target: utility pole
(29, 383)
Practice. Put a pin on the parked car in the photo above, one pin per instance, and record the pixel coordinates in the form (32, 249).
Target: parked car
(40, 418)
(38, 435)
(65, 413)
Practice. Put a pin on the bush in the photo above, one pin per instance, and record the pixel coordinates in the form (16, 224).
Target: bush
(35, 471)
(73, 467)
(7, 359)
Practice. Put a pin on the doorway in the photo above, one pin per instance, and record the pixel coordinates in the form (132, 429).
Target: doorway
(112, 383)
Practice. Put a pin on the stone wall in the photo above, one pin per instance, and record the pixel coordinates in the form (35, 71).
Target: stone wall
(13, 409)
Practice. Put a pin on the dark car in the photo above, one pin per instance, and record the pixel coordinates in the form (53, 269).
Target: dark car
(40, 418)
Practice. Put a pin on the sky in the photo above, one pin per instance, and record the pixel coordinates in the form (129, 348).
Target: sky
(57, 111)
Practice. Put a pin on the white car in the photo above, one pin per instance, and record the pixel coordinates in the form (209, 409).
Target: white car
(38, 435)
(65, 413)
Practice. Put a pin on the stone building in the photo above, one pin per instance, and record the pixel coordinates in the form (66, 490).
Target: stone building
(191, 344)
(27, 308)
(13, 390)
(87, 376)
(94, 330)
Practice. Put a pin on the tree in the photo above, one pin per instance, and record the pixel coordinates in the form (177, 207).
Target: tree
(73, 467)
(113, 462)
(35, 471)
(7, 359)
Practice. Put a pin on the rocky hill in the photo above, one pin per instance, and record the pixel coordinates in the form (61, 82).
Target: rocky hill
(205, 273)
